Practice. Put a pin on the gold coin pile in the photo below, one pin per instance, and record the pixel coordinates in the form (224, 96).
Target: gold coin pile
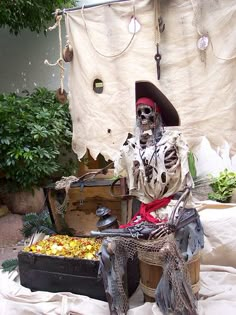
(63, 245)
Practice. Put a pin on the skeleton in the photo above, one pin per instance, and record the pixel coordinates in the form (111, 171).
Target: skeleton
(146, 117)
(154, 161)
(149, 122)
(173, 292)
(155, 164)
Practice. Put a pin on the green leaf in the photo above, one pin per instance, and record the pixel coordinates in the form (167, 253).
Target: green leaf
(33, 222)
(34, 15)
(10, 265)
(191, 163)
(39, 131)
(223, 186)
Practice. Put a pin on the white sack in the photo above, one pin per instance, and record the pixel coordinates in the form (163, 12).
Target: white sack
(219, 226)
(233, 159)
(211, 162)
(201, 85)
(224, 153)
(207, 160)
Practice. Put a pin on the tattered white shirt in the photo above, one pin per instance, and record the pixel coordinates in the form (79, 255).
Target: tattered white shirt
(164, 181)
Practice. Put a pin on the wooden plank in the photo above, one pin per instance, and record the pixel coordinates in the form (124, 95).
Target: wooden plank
(129, 209)
(93, 192)
(123, 211)
(53, 208)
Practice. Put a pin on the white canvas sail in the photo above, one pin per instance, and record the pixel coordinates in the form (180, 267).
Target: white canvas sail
(201, 84)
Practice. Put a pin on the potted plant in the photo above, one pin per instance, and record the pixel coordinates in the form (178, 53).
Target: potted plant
(35, 130)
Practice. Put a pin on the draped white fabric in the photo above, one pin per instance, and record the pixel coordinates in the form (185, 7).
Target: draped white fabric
(200, 84)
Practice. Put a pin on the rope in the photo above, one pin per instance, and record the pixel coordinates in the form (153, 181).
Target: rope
(195, 258)
(196, 287)
(221, 58)
(197, 16)
(61, 208)
(147, 290)
(91, 42)
(152, 259)
(151, 291)
(65, 182)
(157, 10)
(59, 61)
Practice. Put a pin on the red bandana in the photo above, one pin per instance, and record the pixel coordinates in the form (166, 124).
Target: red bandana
(149, 102)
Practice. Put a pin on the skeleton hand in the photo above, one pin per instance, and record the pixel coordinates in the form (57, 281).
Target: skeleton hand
(161, 230)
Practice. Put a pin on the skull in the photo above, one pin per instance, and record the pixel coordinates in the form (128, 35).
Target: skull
(145, 117)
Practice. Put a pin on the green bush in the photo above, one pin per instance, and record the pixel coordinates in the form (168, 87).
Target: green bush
(34, 15)
(223, 186)
(34, 131)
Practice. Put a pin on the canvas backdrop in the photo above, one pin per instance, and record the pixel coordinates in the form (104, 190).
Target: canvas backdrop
(200, 84)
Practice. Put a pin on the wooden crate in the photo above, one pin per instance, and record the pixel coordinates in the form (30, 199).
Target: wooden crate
(83, 200)
(64, 274)
(60, 274)
(86, 196)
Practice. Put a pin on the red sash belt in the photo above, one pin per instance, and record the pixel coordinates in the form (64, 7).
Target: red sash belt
(145, 210)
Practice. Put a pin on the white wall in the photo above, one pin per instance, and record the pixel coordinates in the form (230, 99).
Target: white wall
(22, 60)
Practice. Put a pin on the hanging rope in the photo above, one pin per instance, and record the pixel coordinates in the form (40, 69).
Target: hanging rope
(59, 61)
(65, 182)
(157, 11)
(157, 24)
(91, 42)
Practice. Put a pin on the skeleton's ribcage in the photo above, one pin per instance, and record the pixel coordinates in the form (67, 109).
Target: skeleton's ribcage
(159, 170)
(170, 158)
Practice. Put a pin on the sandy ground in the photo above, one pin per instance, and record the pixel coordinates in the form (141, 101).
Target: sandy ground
(10, 236)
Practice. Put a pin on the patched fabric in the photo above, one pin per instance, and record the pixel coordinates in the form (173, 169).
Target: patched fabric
(190, 83)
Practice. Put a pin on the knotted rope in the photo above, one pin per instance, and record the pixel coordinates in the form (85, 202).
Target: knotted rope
(65, 183)
(60, 61)
(118, 54)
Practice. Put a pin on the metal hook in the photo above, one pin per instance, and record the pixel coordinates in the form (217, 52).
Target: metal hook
(161, 25)
(157, 57)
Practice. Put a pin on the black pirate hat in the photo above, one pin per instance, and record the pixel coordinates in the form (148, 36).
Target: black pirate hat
(169, 114)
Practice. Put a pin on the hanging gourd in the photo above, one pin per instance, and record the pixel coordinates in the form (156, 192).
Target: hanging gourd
(61, 94)
(67, 52)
